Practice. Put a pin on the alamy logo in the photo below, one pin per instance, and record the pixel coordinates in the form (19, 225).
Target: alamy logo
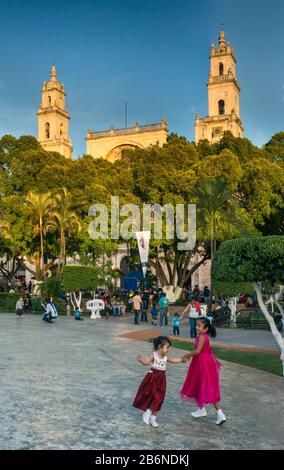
(123, 222)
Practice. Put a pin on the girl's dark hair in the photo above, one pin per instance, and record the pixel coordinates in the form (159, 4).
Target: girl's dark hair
(160, 341)
(207, 323)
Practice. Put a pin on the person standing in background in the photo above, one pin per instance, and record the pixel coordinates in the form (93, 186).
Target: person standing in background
(164, 306)
(19, 307)
(136, 303)
(194, 311)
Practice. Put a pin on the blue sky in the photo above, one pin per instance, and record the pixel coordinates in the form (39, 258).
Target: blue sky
(154, 53)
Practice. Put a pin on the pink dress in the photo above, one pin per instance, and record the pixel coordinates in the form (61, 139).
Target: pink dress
(202, 380)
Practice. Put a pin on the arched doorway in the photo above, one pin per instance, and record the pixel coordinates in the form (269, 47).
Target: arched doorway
(115, 153)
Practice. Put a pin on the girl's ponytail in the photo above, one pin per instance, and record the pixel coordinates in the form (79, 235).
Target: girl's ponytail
(212, 331)
(207, 323)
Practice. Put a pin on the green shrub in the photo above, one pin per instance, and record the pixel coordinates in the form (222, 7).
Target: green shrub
(8, 301)
(81, 277)
(8, 304)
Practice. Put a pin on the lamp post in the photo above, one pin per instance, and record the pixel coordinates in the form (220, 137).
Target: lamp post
(143, 240)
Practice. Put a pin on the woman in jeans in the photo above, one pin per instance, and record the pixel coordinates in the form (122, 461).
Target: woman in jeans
(194, 311)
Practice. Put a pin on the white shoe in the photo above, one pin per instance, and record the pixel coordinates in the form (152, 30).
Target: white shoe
(147, 416)
(153, 421)
(200, 413)
(221, 418)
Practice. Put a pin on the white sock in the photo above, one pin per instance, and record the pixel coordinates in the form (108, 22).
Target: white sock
(219, 412)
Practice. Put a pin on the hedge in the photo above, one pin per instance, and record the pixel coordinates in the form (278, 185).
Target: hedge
(240, 262)
(80, 277)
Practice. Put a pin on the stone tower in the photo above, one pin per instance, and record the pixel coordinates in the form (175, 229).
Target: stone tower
(223, 95)
(53, 118)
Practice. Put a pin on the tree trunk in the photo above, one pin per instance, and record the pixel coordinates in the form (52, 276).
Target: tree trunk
(41, 244)
(281, 310)
(159, 271)
(61, 254)
(37, 272)
(233, 308)
(76, 301)
(181, 273)
(269, 318)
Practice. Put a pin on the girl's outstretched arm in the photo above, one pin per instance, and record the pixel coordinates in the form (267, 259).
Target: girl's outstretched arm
(145, 362)
(176, 360)
(196, 351)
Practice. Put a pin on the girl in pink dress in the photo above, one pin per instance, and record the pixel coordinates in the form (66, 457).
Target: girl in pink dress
(202, 380)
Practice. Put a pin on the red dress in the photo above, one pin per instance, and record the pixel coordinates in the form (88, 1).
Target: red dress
(202, 380)
(152, 390)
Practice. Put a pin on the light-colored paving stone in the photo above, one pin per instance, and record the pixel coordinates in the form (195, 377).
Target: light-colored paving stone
(70, 385)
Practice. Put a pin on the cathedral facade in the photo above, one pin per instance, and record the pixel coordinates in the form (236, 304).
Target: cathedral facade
(223, 114)
(109, 144)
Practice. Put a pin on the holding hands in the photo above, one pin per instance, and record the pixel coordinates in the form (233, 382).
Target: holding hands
(186, 357)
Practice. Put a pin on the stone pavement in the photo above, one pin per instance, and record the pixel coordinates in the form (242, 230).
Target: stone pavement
(70, 385)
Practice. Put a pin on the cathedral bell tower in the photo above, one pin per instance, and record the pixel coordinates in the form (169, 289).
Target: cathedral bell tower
(53, 118)
(223, 95)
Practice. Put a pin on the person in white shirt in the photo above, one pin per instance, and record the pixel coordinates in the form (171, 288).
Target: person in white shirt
(47, 316)
(54, 313)
(19, 307)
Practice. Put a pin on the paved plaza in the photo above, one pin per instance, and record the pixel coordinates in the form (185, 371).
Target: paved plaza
(70, 385)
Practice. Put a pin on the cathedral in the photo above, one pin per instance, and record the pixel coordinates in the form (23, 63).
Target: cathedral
(223, 114)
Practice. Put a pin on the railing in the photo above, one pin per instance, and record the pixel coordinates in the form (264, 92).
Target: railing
(218, 118)
(221, 78)
(127, 131)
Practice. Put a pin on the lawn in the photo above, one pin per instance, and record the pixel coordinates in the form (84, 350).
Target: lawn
(257, 360)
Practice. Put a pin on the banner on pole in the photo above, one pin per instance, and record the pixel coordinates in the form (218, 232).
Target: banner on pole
(143, 240)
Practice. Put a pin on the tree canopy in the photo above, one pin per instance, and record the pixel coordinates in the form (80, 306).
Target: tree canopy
(174, 173)
(247, 260)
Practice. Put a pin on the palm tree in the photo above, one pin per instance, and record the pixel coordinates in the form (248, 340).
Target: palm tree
(63, 219)
(215, 202)
(11, 258)
(214, 199)
(41, 205)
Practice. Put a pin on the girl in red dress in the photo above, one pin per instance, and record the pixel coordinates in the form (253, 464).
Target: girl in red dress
(202, 381)
(151, 393)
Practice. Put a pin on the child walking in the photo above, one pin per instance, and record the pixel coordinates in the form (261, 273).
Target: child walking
(154, 314)
(176, 323)
(152, 390)
(202, 380)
